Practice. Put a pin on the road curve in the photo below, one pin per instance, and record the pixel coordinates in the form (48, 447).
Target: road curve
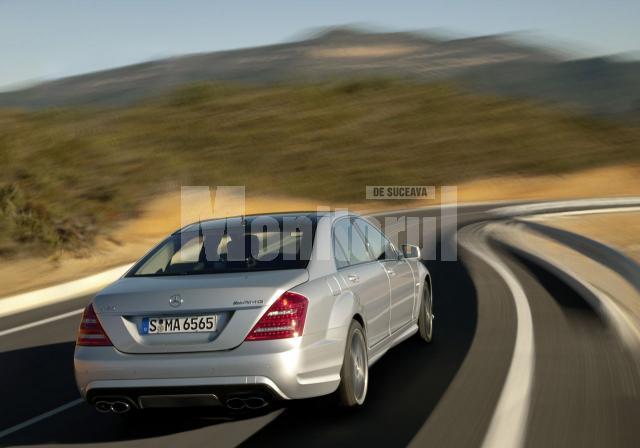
(583, 384)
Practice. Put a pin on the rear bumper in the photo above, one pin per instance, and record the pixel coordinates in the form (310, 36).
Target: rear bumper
(145, 397)
(287, 369)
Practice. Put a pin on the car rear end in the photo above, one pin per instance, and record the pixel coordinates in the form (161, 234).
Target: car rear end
(201, 321)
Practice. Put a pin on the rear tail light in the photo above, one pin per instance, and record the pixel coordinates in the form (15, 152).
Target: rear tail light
(91, 332)
(284, 319)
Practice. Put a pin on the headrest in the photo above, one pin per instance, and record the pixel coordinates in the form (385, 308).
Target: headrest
(240, 250)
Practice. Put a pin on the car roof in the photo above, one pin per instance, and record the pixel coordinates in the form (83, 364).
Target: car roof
(314, 215)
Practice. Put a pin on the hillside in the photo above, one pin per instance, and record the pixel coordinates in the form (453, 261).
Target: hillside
(492, 64)
(70, 174)
(337, 53)
(601, 86)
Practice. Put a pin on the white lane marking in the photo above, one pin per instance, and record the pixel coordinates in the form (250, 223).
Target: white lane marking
(458, 205)
(596, 211)
(40, 322)
(60, 293)
(543, 207)
(40, 417)
(509, 422)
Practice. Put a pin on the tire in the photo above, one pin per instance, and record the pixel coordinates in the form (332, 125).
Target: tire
(354, 375)
(425, 319)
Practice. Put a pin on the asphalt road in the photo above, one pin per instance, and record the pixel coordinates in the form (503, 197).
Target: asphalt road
(585, 389)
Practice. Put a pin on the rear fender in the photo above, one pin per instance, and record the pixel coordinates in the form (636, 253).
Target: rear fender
(344, 309)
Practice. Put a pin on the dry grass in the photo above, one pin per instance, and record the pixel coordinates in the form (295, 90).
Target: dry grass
(124, 244)
(71, 175)
(161, 215)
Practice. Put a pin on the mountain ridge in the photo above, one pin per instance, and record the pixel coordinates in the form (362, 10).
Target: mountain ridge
(496, 64)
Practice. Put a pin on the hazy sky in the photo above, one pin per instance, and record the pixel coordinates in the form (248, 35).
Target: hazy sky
(44, 39)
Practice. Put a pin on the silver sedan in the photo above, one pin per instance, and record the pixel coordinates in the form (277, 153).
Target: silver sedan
(240, 312)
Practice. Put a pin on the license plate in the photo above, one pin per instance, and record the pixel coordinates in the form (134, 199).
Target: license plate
(186, 324)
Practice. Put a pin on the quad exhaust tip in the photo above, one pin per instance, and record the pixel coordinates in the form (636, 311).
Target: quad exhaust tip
(234, 404)
(118, 406)
(238, 403)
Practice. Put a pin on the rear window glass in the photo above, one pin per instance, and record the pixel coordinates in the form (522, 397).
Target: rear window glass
(255, 243)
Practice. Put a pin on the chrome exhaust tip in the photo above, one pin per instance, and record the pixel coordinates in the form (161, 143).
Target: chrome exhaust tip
(120, 407)
(103, 406)
(255, 402)
(238, 403)
(235, 404)
(117, 406)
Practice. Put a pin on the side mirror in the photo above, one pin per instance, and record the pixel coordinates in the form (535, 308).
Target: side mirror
(411, 251)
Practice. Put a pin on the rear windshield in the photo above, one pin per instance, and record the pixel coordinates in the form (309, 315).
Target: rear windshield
(257, 243)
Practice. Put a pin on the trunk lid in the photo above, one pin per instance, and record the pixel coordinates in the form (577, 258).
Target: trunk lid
(237, 299)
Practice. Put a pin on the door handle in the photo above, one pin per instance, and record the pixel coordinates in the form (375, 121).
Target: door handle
(391, 272)
(353, 278)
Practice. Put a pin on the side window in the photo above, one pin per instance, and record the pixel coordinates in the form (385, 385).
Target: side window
(348, 246)
(377, 243)
(358, 252)
(340, 245)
